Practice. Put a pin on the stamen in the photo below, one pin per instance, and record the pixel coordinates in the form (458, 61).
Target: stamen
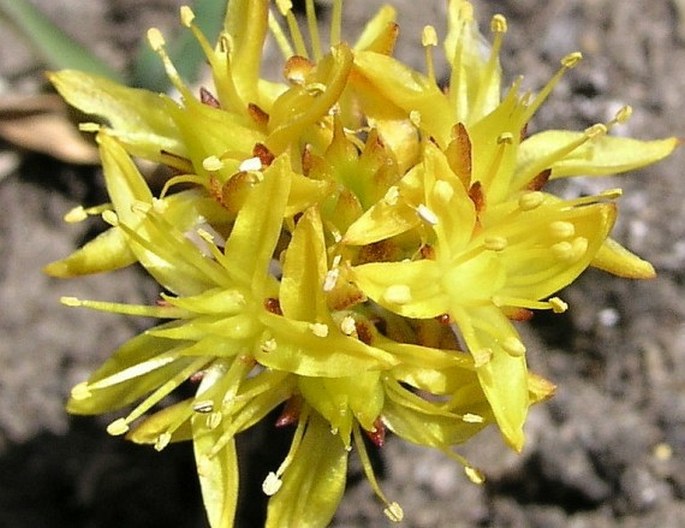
(271, 484)
(530, 200)
(319, 329)
(427, 215)
(157, 43)
(513, 346)
(212, 164)
(498, 25)
(250, 164)
(280, 38)
(313, 27)
(429, 39)
(392, 195)
(142, 310)
(336, 23)
(269, 346)
(472, 418)
(162, 441)
(285, 7)
(78, 214)
(397, 294)
(481, 357)
(568, 62)
(348, 325)
(557, 305)
(495, 243)
(562, 229)
(474, 475)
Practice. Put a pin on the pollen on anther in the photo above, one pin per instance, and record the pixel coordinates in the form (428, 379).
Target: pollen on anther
(394, 512)
(558, 306)
(162, 441)
(81, 391)
(562, 250)
(269, 346)
(319, 329)
(513, 346)
(331, 279)
(472, 418)
(77, 214)
(212, 163)
(572, 59)
(429, 36)
(397, 294)
(562, 229)
(118, 427)
(427, 215)
(111, 218)
(531, 200)
(251, 164)
(498, 24)
(474, 475)
(187, 16)
(348, 325)
(155, 38)
(271, 484)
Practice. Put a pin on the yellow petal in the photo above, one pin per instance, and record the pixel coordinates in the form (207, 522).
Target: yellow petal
(616, 259)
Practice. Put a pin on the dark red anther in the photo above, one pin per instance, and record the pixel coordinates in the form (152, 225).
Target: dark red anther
(364, 333)
(291, 412)
(197, 377)
(477, 196)
(261, 151)
(444, 319)
(539, 181)
(207, 98)
(259, 115)
(272, 305)
(377, 436)
(428, 252)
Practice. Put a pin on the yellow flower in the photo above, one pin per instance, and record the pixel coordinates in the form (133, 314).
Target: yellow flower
(347, 231)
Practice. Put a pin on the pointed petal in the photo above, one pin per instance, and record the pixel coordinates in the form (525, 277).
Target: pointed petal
(140, 119)
(411, 289)
(380, 32)
(218, 473)
(616, 259)
(107, 252)
(314, 483)
(601, 156)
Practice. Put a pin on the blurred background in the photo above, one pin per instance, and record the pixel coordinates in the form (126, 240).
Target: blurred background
(607, 451)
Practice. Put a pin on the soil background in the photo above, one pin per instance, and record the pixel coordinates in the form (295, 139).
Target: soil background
(607, 451)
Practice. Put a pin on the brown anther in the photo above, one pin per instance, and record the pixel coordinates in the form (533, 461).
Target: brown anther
(539, 181)
(307, 159)
(519, 314)
(458, 154)
(427, 252)
(477, 196)
(291, 412)
(257, 114)
(215, 190)
(296, 69)
(381, 251)
(377, 436)
(261, 151)
(271, 304)
(197, 376)
(444, 319)
(364, 333)
(207, 98)
(296, 217)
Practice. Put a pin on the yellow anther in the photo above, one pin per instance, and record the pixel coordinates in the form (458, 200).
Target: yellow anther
(214, 420)
(506, 138)
(531, 200)
(392, 195)
(495, 243)
(212, 163)
(319, 329)
(331, 279)
(580, 245)
(269, 346)
(110, 217)
(429, 36)
(415, 118)
(563, 250)
(612, 194)
(472, 418)
(203, 407)
(187, 16)
(624, 114)
(596, 130)
(89, 127)
(481, 357)
(572, 59)
(558, 306)
(77, 214)
(162, 441)
(514, 347)
(284, 6)
(474, 475)
(397, 294)
(81, 391)
(347, 325)
(118, 427)
(394, 512)
(427, 215)
(443, 191)
(561, 229)
(271, 484)
(498, 24)
(155, 38)
(250, 164)
(72, 302)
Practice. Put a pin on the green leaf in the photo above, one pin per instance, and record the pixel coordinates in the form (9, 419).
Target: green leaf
(55, 47)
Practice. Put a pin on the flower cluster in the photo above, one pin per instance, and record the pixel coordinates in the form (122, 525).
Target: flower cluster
(352, 246)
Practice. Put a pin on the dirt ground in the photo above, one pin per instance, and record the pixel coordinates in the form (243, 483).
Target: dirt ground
(607, 451)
